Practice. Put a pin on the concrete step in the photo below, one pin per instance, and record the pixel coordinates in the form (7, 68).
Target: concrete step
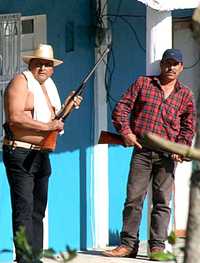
(95, 256)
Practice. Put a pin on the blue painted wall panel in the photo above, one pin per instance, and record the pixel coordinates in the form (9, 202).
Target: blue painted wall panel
(128, 58)
(5, 216)
(64, 201)
(119, 158)
(68, 206)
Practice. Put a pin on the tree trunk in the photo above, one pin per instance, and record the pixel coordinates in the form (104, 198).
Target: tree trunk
(192, 244)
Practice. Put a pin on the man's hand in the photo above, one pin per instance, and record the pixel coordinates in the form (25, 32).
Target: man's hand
(177, 157)
(131, 140)
(55, 125)
(77, 101)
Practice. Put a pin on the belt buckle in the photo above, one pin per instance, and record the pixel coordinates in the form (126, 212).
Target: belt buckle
(35, 147)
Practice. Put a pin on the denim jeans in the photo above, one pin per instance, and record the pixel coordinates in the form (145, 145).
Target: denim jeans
(28, 174)
(147, 165)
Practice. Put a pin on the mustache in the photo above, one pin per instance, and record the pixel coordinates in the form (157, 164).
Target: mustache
(171, 71)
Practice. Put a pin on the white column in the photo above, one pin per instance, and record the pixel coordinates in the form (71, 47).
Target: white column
(158, 39)
(100, 154)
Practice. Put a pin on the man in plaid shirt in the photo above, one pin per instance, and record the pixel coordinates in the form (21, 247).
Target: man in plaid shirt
(161, 105)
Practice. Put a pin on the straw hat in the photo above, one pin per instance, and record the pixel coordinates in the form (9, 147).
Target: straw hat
(43, 52)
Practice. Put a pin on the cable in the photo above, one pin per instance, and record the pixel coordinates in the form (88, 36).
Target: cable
(110, 64)
(118, 10)
(193, 65)
(110, 67)
(132, 29)
(108, 77)
(103, 9)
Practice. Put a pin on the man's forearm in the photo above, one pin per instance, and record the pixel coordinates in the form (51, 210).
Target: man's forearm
(25, 122)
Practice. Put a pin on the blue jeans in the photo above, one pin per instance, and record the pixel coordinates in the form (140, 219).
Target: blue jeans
(28, 174)
(146, 165)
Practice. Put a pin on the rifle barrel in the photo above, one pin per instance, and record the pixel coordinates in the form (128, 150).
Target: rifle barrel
(96, 65)
(83, 82)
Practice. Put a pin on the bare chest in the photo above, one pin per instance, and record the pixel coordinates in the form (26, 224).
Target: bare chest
(29, 104)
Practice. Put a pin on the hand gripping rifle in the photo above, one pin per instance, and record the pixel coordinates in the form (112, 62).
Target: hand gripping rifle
(49, 143)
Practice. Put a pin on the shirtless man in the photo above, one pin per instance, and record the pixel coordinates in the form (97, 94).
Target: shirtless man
(31, 102)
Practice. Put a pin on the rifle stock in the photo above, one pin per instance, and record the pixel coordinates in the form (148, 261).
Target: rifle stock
(110, 138)
(49, 143)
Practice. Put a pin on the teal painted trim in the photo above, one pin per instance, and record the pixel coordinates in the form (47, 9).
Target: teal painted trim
(64, 201)
(119, 158)
(144, 222)
(70, 206)
(6, 235)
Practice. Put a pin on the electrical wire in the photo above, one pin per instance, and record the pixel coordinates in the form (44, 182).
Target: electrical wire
(103, 8)
(118, 10)
(110, 64)
(108, 78)
(193, 65)
(110, 67)
(125, 20)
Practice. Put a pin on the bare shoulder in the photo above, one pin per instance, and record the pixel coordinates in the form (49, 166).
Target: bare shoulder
(18, 83)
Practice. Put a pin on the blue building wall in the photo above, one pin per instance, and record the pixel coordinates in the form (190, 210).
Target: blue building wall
(127, 60)
(69, 207)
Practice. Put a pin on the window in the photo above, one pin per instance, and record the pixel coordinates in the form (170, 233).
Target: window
(33, 33)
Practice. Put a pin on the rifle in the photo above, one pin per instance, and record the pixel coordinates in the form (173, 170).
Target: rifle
(49, 143)
(110, 138)
(155, 142)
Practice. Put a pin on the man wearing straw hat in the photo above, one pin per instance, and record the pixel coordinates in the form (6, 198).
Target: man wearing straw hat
(31, 102)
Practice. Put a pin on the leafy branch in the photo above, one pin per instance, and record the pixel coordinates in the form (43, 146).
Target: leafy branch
(28, 255)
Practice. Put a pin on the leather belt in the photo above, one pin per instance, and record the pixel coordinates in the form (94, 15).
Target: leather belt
(25, 145)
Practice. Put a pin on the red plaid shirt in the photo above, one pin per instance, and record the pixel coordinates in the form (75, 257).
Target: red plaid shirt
(143, 108)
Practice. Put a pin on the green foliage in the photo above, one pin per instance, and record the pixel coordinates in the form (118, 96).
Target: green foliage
(162, 256)
(165, 256)
(71, 254)
(24, 249)
(62, 257)
(172, 238)
(30, 256)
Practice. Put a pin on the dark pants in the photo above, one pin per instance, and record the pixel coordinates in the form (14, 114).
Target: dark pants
(28, 173)
(147, 165)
